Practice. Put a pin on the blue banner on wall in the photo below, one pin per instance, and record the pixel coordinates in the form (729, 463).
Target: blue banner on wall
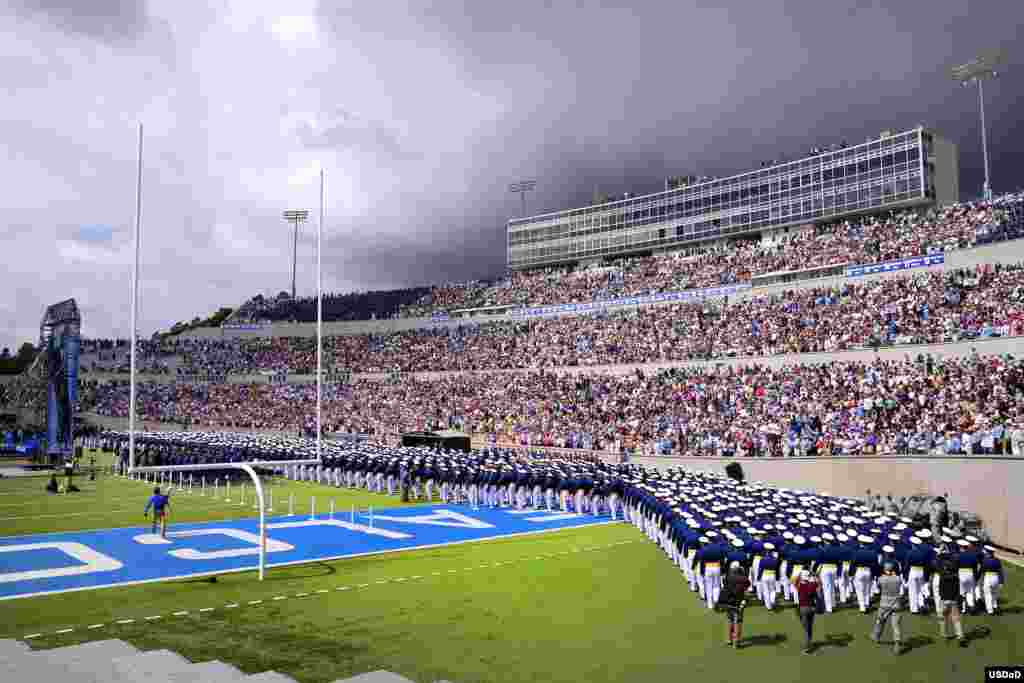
(688, 295)
(891, 266)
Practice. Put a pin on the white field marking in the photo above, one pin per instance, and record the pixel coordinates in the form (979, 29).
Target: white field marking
(362, 585)
(417, 577)
(206, 609)
(93, 626)
(233, 604)
(126, 621)
(32, 635)
(301, 595)
(153, 618)
(323, 590)
(180, 614)
(65, 630)
(436, 574)
(343, 588)
(400, 580)
(290, 563)
(92, 561)
(452, 571)
(382, 581)
(280, 597)
(254, 602)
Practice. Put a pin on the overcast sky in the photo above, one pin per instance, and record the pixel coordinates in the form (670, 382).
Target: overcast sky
(422, 114)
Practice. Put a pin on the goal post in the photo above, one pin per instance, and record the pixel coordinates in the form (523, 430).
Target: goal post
(248, 468)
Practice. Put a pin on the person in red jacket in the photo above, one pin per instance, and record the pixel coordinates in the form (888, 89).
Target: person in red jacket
(806, 586)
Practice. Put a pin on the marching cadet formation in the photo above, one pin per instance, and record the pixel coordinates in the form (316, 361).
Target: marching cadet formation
(709, 525)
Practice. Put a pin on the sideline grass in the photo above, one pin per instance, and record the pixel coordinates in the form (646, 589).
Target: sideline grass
(597, 604)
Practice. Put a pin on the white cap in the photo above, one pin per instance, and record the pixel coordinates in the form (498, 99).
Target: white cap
(799, 540)
(923, 533)
(704, 539)
(962, 542)
(842, 538)
(827, 536)
(737, 543)
(787, 534)
(915, 540)
(888, 549)
(804, 574)
(815, 539)
(734, 565)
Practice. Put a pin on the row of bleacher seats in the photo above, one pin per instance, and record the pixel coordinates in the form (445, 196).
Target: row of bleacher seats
(927, 405)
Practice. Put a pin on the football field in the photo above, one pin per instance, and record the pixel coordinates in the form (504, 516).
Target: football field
(454, 593)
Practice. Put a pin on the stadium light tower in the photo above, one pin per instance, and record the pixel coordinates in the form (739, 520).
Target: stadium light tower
(522, 187)
(295, 216)
(978, 71)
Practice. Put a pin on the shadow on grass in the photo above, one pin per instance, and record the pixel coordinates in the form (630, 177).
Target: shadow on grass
(312, 570)
(1011, 610)
(835, 640)
(977, 633)
(917, 642)
(772, 639)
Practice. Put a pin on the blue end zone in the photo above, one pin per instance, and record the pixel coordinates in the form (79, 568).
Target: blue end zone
(54, 563)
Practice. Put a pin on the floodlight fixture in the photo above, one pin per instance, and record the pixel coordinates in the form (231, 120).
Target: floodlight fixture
(295, 216)
(521, 188)
(978, 70)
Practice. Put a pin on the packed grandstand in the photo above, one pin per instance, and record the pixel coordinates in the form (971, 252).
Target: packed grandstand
(577, 385)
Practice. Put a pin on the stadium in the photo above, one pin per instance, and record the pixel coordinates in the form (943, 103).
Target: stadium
(767, 424)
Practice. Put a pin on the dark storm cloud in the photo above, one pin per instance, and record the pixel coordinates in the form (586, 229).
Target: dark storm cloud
(110, 21)
(422, 113)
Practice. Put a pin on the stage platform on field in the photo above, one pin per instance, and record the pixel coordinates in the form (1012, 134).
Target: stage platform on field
(83, 560)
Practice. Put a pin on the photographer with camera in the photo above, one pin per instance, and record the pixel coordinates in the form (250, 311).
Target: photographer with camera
(733, 600)
(948, 598)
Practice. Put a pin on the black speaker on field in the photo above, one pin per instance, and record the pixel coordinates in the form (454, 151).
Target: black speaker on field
(734, 471)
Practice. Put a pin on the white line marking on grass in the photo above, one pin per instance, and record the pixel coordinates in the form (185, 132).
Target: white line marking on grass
(417, 577)
(382, 581)
(32, 635)
(153, 618)
(65, 630)
(255, 602)
(342, 588)
(280, 597)
(362, 585)
(126, 621)
(301, 595)
(323, 590)
(180, 614)
(452, 571)
(435, 574)
(206, 609)
(400, 580)
(233, 604)
(94, 626)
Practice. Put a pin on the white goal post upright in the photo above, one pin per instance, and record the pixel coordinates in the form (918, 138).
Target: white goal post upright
(244, 466)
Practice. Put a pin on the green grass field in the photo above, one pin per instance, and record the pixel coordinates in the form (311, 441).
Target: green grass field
(598, 604)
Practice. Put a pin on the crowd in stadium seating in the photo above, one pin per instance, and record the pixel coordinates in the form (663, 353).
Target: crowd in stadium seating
(971, 405)
(914, 308)
(871, 240)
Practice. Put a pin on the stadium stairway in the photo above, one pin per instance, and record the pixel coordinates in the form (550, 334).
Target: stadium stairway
(115, 661)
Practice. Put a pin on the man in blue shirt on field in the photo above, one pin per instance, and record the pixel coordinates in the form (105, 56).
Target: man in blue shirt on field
(160, 504)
